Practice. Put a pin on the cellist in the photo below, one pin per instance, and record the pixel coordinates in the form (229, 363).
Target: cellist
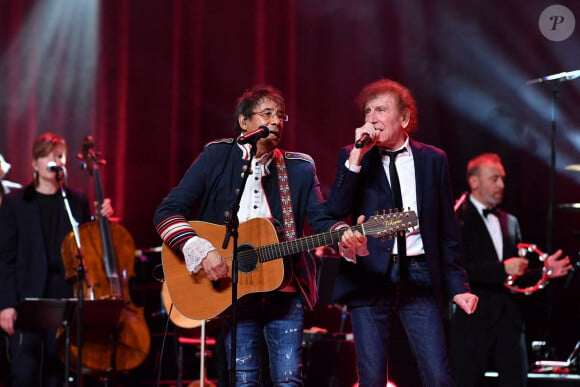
(33, 224)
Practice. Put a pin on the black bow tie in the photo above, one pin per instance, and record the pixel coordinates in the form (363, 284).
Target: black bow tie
(491, 210)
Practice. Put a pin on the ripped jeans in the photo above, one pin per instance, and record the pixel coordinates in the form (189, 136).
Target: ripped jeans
(269, 325)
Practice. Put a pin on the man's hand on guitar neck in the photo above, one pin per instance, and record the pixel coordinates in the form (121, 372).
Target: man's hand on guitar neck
(353, 243)
(214, 266)
(354, 239)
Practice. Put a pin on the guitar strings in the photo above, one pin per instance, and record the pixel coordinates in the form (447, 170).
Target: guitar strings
(285, 248)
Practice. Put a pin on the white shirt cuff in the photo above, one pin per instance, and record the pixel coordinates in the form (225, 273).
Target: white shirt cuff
(194, 251)
(352, 168)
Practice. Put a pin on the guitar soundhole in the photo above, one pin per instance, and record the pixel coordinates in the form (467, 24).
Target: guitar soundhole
(247, 258)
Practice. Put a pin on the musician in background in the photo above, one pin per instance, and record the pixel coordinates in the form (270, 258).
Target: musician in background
(5, 185)
(33, 225)
(212, 181)
(489, 237)
(411, 277)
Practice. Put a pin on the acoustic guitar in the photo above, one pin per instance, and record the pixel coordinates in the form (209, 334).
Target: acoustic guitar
(175, 316)
(262, 262)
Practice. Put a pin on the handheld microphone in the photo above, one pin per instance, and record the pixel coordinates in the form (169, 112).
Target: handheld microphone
(261, 132)
(363, 140)
(52, 167)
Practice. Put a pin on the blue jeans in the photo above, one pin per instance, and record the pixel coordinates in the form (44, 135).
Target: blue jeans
(416, 307)
(276, 320)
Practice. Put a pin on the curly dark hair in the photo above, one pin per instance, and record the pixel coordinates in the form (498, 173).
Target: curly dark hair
(252, 97)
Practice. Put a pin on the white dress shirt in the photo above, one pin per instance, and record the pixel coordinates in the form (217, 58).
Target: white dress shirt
(406, 172)
(493, 227)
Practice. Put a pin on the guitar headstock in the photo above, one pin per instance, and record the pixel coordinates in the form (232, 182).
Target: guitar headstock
(388, 224)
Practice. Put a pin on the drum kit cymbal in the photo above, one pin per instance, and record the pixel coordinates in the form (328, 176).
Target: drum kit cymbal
(570, 206)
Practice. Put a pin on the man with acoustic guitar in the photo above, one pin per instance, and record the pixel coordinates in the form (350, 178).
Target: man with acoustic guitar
(283, 185)
(33, 225)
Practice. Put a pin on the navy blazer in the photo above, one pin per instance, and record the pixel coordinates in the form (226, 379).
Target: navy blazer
(23, 257)
(368, 191)
(210, 186)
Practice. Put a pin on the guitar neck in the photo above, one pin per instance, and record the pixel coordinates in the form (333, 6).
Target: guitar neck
(283, 249)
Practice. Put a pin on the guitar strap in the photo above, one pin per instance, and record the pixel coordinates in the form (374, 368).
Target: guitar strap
(285, 197)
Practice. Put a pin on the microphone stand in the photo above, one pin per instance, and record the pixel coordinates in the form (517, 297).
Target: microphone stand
(550, 216)
(555, 80)
(232, 223)
(81, 276)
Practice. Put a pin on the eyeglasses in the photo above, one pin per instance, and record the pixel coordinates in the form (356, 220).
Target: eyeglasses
(268, 114)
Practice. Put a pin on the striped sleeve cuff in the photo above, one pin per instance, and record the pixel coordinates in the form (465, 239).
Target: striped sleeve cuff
(339, 225)
(175, 231)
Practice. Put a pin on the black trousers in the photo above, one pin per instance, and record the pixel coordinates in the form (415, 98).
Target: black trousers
(480, 345)
(34, 357)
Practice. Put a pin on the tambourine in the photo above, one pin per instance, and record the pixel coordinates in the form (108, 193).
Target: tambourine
(523, 250)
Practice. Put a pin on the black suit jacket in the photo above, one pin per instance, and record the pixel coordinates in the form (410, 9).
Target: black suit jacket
(486, 273)
(23, 256)
(368, 191)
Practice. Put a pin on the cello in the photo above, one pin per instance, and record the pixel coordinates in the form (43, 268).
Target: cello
(108, 253)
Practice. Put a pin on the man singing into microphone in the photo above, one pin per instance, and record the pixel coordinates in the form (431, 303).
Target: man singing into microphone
(283, 185)
(33, 225)
(411, 277)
